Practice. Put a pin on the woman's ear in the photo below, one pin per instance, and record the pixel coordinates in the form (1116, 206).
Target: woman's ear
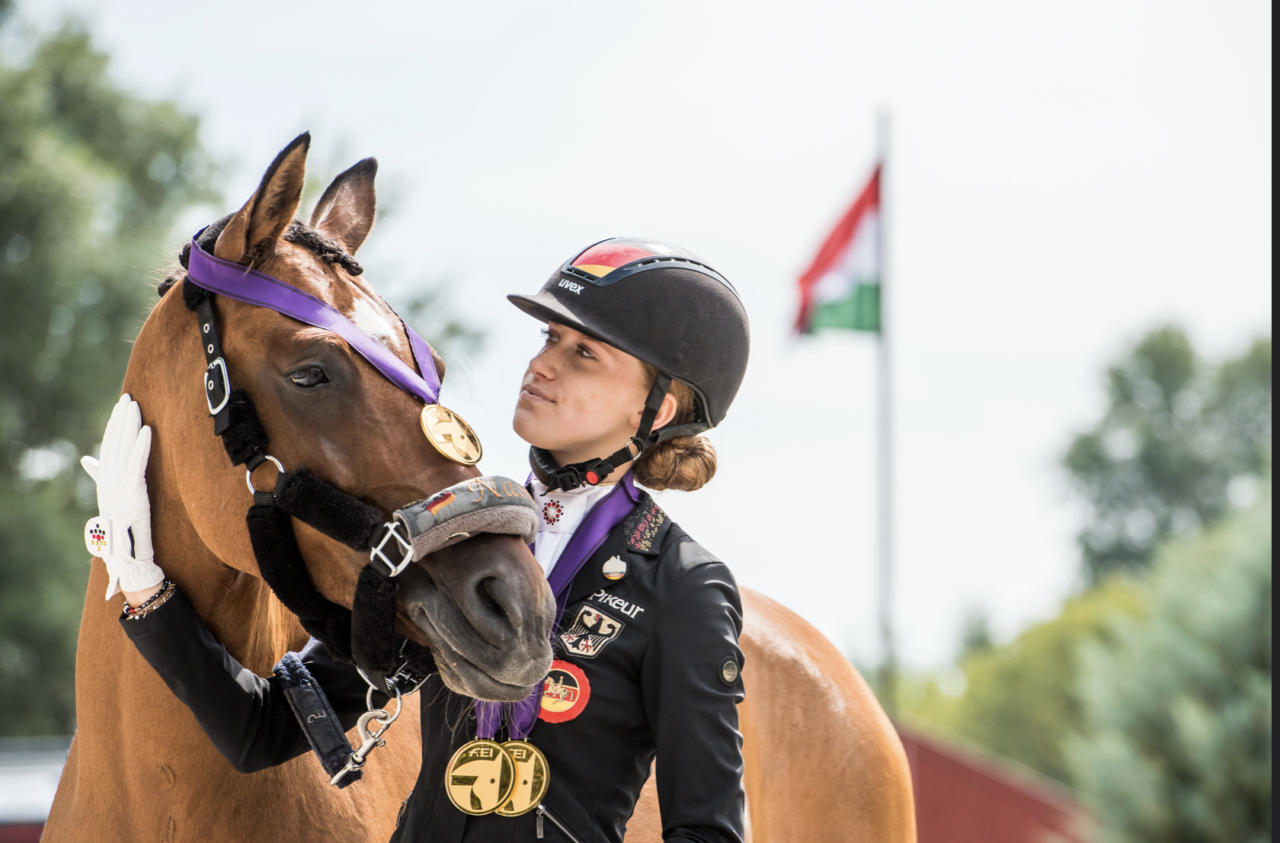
(666, 413)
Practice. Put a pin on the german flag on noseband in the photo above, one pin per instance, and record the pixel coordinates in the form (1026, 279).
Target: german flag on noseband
(439, 502)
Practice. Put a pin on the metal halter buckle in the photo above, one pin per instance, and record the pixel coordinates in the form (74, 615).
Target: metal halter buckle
(392, 529)
(219, 365)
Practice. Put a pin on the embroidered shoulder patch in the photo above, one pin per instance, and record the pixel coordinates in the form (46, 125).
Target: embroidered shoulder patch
(642, 525)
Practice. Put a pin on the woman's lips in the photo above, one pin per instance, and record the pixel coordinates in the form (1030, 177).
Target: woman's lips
(533, 394)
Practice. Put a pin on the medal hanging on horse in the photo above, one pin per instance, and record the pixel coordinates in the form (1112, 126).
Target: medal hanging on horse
(450, 435)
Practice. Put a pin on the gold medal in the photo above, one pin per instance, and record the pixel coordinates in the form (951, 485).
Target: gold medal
(480, 777)
(532, 778)
(450, 435)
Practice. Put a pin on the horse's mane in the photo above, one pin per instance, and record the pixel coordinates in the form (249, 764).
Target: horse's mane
(298, 232)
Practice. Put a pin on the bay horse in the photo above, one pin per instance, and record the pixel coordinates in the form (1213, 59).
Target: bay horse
(140, 768)
(822, 761)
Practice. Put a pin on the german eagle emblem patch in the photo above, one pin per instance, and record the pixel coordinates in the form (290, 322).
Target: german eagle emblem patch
(592, 630)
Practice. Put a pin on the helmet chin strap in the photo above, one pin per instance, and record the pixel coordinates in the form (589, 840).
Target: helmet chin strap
(593, 472)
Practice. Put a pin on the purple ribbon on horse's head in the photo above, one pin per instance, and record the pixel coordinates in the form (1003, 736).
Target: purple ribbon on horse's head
(252, 287)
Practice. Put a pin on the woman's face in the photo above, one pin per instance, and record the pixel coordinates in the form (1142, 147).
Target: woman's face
(581, 398)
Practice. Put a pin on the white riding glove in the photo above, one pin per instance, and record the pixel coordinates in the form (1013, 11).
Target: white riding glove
(121, 534)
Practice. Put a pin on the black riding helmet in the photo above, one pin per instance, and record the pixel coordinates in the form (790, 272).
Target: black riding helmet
(661, 304)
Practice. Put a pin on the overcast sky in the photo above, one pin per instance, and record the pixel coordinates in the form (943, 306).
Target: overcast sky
(1063, 178)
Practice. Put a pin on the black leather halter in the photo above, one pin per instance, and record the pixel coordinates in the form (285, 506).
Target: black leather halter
(364, 635)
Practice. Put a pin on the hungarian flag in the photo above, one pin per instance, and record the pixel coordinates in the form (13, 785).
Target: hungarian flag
(842, 287)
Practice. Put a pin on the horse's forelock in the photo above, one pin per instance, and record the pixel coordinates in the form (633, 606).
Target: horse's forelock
(298, 232)
(322, 246)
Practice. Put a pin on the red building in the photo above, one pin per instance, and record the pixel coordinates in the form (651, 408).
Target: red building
(965, 796)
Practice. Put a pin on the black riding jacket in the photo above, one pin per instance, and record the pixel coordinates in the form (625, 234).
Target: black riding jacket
(653, 647)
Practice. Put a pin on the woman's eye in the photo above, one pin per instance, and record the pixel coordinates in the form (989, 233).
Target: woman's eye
(309, 376)
(585, 352)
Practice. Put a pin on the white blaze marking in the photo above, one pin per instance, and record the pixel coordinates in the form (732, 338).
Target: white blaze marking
(367, 318)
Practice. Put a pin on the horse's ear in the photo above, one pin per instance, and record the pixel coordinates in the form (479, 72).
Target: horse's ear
(346, 210)
(251, 235)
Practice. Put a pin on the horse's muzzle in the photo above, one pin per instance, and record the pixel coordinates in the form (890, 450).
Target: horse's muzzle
(486, 610)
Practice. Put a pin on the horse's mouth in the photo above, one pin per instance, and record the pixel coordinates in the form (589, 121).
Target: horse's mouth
(486, 612)
(466, 677)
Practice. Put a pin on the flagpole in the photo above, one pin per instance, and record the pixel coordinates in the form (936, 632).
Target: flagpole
(888, 664)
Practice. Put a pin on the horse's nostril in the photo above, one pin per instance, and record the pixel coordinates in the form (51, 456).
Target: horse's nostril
(488, 599)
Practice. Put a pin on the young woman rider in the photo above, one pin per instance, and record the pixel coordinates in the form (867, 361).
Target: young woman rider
(645, 348)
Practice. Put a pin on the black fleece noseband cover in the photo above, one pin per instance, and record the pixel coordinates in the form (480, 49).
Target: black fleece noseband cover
(281, 565)
(245, 438)
(373, 621)
(331, 511)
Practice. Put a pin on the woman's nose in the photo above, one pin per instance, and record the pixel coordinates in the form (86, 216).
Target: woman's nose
(543, 365)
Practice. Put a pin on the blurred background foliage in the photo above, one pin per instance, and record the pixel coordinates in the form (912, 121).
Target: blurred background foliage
(1183, 442)
(1174, 741)
(1150, 691)
(1019, 699)
(92, 183)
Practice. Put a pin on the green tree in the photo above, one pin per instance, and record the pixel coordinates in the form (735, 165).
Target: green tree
(1180, 440)
(1176, 744)
(1183, 444)
(1019, 699)
(91, 179)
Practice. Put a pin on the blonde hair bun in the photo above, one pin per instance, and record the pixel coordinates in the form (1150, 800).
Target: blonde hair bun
(684, 463)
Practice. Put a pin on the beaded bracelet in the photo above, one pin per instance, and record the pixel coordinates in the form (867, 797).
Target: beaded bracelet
(155, 601)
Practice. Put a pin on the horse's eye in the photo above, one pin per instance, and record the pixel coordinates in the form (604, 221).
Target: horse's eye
(309, 376)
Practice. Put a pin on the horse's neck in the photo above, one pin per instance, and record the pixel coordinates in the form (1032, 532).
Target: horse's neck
(141, 768)
(186, 475)
(139, 759)
(239, 609)
(189, 478)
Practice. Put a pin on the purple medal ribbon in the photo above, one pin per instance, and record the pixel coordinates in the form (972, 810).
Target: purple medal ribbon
(252, 287)
(586, 540)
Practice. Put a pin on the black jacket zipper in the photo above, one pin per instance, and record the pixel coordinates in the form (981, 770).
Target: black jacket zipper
(544, 811)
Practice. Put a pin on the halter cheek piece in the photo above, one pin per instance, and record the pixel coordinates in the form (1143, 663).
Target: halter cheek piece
(364, 635)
